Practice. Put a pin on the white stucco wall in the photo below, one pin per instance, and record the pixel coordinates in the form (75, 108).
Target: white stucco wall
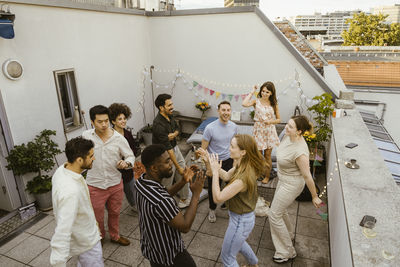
(107, 51)
(235, 48)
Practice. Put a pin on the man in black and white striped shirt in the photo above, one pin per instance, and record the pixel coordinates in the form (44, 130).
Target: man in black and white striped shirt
(160, 220)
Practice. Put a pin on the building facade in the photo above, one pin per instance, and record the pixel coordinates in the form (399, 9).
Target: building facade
(330, 25)
(231, 3)
(392, 11)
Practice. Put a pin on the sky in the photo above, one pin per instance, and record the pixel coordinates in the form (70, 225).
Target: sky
(288, 8)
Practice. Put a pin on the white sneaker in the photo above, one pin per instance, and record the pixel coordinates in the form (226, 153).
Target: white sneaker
(211, 216)
(184, 203)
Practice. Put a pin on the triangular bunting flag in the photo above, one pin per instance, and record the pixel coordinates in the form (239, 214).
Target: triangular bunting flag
(236, 97)
(211, 92)
(223, 96)
(206, 90)
(217, 94)
(195, 83)
(230, 97)
(316, 163)
(243, 97)
(200, 86)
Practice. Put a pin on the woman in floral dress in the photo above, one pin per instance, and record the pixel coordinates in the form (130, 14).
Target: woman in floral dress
(266, 116)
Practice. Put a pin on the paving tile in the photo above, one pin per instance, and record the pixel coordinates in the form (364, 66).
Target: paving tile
(260, 221)
(188, 237)
(7, 262)
(301, 262)
(312, 248)
(135, 234)
(47, 231)
(127, 224)
(220, 213)
(43, 222)
(198, 221)
(216, 229)
(29, 249)
(43, 260)
(203, 207)
(266, 239)
(255, 235)
(265, 259)
(129, 255)
(109, 248)
(72, 262)
(13, 242)
(206, 246)
(129, 211)
(110, 263)
(312, 227)
(145, 263)
(307, 209)
(201, 262)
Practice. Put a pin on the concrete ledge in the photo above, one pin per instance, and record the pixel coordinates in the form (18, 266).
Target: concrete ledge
(353, 193)
(346, 104)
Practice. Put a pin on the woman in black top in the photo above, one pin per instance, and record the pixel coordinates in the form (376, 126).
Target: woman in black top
(119, 114)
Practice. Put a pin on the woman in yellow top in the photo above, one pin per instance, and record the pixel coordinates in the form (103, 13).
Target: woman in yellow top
(266, 115)
(240, 195)
(293, 172)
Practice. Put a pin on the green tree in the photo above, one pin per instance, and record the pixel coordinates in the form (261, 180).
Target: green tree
(371, 30)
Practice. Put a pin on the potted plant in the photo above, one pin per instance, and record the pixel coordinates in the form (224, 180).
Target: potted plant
(36, 156)
(322, 110)
(203, 107)
(147, 133)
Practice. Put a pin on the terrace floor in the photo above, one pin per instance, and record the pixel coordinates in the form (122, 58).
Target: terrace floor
(32, 246)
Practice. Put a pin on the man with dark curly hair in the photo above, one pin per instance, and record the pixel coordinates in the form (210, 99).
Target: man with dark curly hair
(119, 115)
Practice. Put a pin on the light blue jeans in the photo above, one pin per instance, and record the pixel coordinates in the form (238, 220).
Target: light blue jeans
(239, 229)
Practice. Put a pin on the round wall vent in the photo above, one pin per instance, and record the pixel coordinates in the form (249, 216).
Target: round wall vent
(12, 69)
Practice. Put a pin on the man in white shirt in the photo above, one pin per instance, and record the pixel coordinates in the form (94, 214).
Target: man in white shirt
(76, 231)
(112, 152)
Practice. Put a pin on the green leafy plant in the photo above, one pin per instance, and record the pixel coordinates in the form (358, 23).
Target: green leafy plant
(252, 113)
(35, 156)
(147, 129)
(321, 111)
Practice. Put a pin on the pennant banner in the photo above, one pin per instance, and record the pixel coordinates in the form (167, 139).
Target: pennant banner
(195, 83)
(236, 97)
(217, 94)
(211, 92)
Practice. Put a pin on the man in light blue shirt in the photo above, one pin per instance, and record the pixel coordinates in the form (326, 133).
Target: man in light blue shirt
(217, 139)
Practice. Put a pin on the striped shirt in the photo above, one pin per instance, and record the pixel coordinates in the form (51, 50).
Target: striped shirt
(159, 242)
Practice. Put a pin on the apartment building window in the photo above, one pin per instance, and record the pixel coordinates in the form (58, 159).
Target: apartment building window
(68, 99)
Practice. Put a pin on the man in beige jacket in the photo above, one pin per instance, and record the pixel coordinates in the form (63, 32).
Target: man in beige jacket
(77, 232)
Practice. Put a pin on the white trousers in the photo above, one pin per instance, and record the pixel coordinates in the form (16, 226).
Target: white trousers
(282, 232)
(92, 258)
(167, 182)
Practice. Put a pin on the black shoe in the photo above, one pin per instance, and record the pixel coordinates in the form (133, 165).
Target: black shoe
(224, 207)
(283, 260)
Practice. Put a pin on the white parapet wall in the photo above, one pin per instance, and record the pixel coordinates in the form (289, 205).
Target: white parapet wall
(353, 193)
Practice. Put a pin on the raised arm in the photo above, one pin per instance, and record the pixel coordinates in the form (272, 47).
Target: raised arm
(248, 102)
(230, 190)
(304, 165)
(183, 222)
(224, 175)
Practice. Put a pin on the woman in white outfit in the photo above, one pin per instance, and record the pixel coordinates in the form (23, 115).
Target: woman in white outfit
(293, 172)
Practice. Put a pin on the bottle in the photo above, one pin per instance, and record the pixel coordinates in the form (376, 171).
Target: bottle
(77, 118)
